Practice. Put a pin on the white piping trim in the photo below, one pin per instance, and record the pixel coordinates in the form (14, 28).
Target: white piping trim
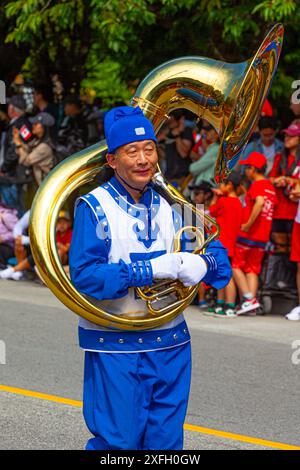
(137, 351)
(87, 201)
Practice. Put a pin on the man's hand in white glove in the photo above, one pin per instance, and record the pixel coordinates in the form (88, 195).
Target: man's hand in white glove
(193, 268)
(166, 266)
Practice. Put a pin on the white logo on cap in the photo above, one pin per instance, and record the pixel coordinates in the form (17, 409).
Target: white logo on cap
(140, 131)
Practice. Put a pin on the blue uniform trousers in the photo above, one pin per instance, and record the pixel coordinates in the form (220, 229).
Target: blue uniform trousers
(137, 400)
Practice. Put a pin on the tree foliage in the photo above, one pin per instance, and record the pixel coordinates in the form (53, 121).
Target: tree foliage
(109, 45)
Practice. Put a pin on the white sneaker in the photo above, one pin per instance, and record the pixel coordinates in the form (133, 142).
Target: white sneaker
(294, 314)
(248, 306)
(17, 275)
(7, 273)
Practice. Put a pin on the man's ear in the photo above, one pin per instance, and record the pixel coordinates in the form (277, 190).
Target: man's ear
(111, 160)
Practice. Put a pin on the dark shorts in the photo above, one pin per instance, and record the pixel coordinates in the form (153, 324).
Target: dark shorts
(30, 257)
(282, 226)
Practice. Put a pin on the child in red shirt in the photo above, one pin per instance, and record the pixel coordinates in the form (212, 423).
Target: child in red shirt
(227, 209)
(255, 231)
(63, 236)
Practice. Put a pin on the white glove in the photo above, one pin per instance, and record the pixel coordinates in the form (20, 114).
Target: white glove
(166, 266)
(193, 269)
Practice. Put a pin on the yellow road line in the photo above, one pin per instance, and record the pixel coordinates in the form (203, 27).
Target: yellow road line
(240, 437)
(41, 396)
(188, 427)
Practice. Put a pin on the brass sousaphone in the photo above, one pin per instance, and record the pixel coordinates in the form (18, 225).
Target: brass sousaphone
(228, 96)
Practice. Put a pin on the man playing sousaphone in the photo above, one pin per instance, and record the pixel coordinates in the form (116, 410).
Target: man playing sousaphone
(136, 384)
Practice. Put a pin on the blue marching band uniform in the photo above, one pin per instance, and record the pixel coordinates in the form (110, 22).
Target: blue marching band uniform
(136, 384)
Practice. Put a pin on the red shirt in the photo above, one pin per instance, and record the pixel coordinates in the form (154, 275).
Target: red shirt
(261, 228)
(285, 208)
(228, 213)
(64, 238)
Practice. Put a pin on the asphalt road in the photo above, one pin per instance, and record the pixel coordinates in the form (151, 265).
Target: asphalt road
(245, 388)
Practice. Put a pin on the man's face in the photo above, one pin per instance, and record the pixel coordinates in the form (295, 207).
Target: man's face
(173, 122)
(225, 188)
(136, 162)
(249, 172)
(267, 136)
(198, 196)
(36, 98)
(71, 109)
(212, 135)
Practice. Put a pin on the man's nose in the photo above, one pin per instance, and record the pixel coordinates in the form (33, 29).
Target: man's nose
(142, 157)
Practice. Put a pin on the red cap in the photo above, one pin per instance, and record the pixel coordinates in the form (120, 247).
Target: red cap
(267, 109)
(256, 159)
(293, 129)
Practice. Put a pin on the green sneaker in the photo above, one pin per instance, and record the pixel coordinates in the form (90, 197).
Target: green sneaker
(227, 313)
(210, 311)
(219, 311)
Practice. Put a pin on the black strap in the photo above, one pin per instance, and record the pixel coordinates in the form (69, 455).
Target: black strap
(132, 187)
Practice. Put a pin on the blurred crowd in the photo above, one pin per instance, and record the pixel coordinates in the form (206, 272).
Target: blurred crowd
(257, 207)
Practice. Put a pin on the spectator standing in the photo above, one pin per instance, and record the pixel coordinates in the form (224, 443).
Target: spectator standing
(73, 133)
(42, 99)
(176, 146)
(38, 153)
(202, 194)
(204, 168)
(227, 209)
(267, 143)
(285, 164)
(201, 141)
(11, 172)
(255, 232)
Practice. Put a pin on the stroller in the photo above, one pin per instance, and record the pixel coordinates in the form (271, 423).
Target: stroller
(278, 290)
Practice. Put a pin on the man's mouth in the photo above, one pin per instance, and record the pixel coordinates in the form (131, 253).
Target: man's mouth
(143, 172)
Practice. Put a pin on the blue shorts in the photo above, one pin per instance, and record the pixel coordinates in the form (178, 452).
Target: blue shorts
(137, 401)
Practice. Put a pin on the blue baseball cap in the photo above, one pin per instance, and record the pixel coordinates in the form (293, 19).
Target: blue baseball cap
(126, 124)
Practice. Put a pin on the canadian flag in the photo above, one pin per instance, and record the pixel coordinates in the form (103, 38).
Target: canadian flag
(25, 133)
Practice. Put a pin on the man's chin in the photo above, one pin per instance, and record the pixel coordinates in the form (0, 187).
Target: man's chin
(143, 179)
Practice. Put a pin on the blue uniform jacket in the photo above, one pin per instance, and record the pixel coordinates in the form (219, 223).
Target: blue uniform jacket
(88, 258)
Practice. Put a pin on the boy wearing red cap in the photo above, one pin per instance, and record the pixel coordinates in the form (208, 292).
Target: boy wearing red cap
(255, 231)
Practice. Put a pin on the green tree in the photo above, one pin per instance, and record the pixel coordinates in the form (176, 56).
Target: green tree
(110, 45)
